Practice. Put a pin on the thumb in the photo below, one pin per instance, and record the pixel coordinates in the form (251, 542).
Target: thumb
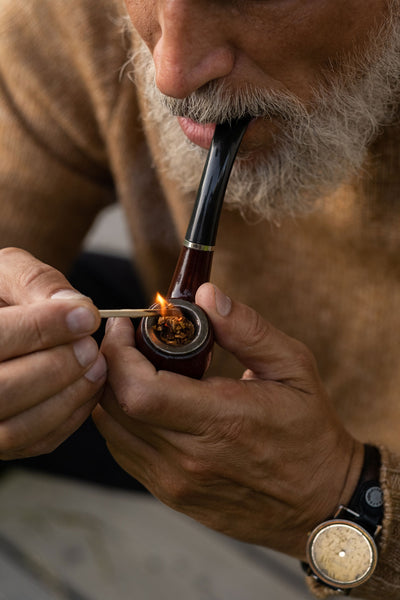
(268, 352)
(119, 333)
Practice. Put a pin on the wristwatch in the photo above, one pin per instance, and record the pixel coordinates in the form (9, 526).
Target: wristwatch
(342, 553)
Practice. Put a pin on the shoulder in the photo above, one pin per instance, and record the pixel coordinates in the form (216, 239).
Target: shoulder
(60, 40)
(84, 18)
(60, 69)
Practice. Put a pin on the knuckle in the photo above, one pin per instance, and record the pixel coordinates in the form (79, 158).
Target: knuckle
(196, 468)
(256, 329)
(233, 428)
(177, 491)
(38, 335)
(133, 400)
(303, 357)
(61, 369)
(56, 371)
(33, 274)
(138, 400)
(12, 252)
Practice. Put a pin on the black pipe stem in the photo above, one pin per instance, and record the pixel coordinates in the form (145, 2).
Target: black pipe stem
(203, 225)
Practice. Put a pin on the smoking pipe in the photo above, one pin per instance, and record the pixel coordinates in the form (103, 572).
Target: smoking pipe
(194, 263)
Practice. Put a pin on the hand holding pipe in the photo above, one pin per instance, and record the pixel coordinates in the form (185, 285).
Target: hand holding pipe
(194, 263)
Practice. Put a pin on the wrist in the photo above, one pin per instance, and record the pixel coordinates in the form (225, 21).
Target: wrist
(332, 486)
(336, 487)
(342, 552)
(353, 474)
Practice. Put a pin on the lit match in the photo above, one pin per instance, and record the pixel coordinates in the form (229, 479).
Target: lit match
(133, 313)
(138, 313)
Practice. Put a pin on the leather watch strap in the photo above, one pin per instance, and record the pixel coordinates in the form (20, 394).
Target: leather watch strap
(365, 509)
(366, 504)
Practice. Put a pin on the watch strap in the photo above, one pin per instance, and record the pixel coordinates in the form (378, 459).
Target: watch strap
(366, 504)
(365, 509)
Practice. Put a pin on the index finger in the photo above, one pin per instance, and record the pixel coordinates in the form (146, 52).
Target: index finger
(26, 329)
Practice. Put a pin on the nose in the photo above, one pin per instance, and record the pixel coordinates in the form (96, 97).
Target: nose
(192, 47)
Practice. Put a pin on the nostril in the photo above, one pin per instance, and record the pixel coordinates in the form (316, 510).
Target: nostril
(176, 70)
(179, 72)
(170, 76)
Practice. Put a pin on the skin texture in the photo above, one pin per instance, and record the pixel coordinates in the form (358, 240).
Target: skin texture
(51, 372)
(282, 45)
(252, 458)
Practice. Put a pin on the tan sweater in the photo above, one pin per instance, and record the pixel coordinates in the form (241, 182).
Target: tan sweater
(72, 141)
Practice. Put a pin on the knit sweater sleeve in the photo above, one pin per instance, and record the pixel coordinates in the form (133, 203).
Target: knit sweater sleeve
(59, 76)
(385, 583)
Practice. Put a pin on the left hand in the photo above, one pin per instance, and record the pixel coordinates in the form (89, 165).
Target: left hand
(262, 459)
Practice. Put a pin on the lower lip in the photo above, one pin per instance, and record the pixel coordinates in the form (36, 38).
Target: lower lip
(202, 134)
(199, 134)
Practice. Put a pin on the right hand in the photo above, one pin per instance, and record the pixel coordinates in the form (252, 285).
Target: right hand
(51, 371)
(262, 459)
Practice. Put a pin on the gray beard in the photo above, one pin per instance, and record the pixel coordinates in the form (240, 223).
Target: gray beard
(314, 149)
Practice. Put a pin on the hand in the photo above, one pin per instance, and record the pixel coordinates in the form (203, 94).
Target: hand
(263, 459)
(51, 372)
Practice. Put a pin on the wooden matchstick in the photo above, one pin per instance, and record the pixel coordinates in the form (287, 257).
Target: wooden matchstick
(133, 313)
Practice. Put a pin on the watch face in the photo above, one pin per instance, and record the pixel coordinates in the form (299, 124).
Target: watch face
(341, 553)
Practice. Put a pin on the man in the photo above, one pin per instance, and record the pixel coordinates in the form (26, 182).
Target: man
(267, 456)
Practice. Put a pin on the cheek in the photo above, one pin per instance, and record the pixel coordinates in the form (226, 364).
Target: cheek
(291, 48)
(337, 28)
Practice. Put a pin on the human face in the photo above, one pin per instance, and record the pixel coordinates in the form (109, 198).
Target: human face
(276, 45)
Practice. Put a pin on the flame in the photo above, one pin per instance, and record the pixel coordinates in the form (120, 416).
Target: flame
(163, 303)
(172, 327)
(167, 308)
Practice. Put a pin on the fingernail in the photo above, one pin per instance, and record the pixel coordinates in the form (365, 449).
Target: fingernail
(223, 303)
(98, 370)
(85, 351)
(67, 295)
(81, 320)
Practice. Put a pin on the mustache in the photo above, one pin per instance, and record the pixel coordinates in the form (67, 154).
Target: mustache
(215, 102)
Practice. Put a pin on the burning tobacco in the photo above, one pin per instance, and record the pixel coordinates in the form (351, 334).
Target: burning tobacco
(174, 330)
(172, 327)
